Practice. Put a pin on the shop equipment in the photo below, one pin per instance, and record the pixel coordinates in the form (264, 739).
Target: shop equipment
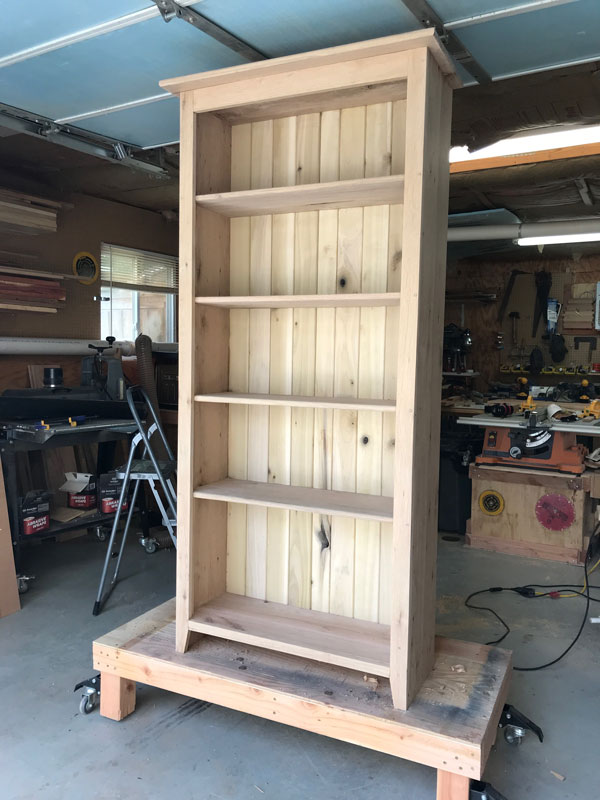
(159, 475)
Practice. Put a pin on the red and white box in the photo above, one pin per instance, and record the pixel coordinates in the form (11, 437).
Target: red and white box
(35, 512)
(109, 491)
(81, 489)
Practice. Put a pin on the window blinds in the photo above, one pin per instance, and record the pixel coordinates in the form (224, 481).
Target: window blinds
(127, 268)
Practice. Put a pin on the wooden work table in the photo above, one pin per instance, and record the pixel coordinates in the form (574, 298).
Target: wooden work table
(450, 726)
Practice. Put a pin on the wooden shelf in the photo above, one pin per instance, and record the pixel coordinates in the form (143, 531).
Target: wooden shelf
(299, 498)
(343, 641)
(306, 197)
(347, 403)
(355, 299)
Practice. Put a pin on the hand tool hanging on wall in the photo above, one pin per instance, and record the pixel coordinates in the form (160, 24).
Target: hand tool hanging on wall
(508, 292)
(553, 310)
(536, 361)
(543, 283)
(558, 348)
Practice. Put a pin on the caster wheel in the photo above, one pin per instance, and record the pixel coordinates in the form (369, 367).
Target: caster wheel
(150, 547)
(513, 735)
(101, 534)
(87, 704)
(22, 585)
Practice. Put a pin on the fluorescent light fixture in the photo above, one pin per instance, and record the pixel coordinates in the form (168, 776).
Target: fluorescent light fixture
(561, 238)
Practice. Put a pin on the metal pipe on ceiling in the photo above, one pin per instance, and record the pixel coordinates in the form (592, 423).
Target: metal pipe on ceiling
(69, 347)
(519, 230)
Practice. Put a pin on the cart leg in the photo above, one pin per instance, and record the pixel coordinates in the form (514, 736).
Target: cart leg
(451, 786)
(117, 696)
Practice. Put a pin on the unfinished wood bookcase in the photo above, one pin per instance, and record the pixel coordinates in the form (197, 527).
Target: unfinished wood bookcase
(314, 194)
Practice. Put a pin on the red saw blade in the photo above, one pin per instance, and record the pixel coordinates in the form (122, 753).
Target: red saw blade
(555, 512)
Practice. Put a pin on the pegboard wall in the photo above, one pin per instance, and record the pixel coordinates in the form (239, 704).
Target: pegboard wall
(573, 285)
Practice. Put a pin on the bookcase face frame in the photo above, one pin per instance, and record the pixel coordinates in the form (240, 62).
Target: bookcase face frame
(341, 305)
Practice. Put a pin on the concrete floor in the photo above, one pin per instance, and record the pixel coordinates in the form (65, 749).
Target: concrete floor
(176, 747)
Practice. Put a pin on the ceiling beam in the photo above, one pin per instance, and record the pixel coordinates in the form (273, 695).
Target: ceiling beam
(429, 18)
(502, 13)
(170, 9)
(85, 33)
(100, 112)
(114, 151)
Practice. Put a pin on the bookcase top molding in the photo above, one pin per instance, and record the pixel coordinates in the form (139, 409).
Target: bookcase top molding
(387, 45)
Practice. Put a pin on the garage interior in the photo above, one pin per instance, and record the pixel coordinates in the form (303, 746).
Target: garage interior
(226, 470)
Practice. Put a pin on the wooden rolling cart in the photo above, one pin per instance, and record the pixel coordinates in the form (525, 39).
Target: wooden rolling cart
(313, 210)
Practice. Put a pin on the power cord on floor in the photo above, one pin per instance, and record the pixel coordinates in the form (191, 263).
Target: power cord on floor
(529, 591)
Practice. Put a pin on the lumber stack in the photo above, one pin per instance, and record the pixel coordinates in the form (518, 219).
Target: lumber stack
(24, 214)
(22, 292)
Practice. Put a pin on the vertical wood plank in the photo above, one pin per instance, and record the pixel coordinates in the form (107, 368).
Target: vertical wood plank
(322, 463)
(282, 326)
(302, 419)
(258, 452)
(261, 176)
(419, 358)
(117, 696)
(239, 351)
(303, 382)
(451, 786)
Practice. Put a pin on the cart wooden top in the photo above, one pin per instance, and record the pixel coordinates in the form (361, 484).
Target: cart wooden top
(450, 726)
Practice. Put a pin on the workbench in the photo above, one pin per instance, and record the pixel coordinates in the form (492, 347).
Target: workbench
(451, 725)
(15, 439)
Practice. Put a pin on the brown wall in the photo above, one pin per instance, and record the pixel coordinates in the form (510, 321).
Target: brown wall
(83, 227)
(492, 276)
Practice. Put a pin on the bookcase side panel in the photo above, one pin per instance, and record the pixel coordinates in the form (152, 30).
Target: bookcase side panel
(419, 374)
(204, 336)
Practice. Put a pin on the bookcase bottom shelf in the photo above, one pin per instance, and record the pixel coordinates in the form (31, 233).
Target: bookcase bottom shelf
(330, 638)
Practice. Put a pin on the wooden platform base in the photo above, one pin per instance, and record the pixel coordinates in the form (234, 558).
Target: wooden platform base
(451, 725)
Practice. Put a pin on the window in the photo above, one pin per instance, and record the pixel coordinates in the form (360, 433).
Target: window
(139, 292)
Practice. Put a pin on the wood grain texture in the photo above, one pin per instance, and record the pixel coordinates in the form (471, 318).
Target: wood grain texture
(9, 593)
(451, 786)
(310, 197)
(300, 498)
(301, 401)
(328, 638)
(117, 696)
(320, 330)
(386, 46)
(517, 529)
(428, 116)
(450, 726)
(351, 299)
(204, 267)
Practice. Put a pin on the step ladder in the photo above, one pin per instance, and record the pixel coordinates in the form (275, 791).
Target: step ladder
(159, 474)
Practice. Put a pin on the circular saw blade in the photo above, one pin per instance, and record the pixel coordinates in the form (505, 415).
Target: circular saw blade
(555, 512)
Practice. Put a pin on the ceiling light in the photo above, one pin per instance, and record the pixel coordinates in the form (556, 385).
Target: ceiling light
(561, 238)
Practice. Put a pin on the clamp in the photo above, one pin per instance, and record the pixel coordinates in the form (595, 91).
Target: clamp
(591, 410)
(528, 405)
